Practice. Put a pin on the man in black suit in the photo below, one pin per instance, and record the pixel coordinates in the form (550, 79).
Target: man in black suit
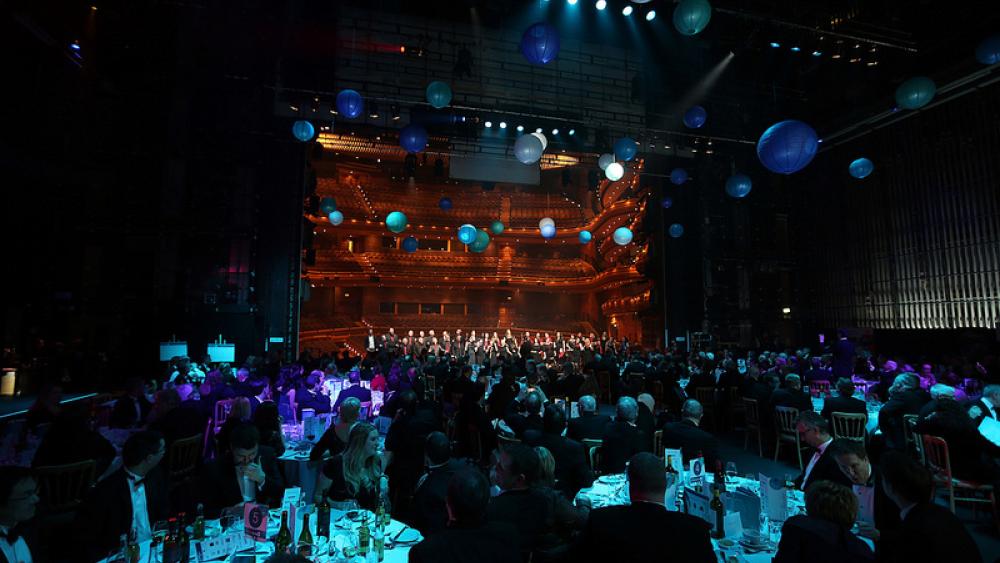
(816, 371)
(530, 419)
(762, 390)
(986, 406)
(881, 516)
(312, 395)
(176, 420)
(691, 439)
(247, 465)
(843, 402)
(814, 431)
(132, 498)
(644, 531)
(469, 537)
(843, 356)
(822, 533)
(622, 438)
(132, 408)
(905, 397)
(18, 499)
(355, 390)
(928, 532)
(589, 425)
(429, 511)
(571, 471)
(520, 503)
(404, 444)
(791, 395)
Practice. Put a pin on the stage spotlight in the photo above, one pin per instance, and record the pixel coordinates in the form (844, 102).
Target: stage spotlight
(520, 128)
(394, 109)
(627, 11)
(539, 130)
(650, 15)
(571, 2)
(373, 110)
(555, 131)
(572, 132)
(796, 49)
(489, 124)
(817, 53)
(775, 44)
(75, 45)
(503, 124)
(601, 4)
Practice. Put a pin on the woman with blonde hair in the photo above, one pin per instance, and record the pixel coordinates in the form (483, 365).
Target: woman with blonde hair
(356, 474)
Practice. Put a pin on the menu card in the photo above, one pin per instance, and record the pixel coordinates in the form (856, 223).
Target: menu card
(698, 505)
(747, 505)
(221, 547)
(990, 429)
(774, 498)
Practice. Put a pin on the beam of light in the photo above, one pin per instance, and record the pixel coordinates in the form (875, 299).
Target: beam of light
(520, 128)
(489, 124)
(775, 44)
(796, 49)
(627, 11)
(700, 90)
(503, 124)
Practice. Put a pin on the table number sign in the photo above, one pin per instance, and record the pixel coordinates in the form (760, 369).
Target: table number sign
(697, 468)
(774, 498)
(255, 521)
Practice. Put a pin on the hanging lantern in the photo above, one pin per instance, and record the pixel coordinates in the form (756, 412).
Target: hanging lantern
(303, 130)
(548, 231)
(585, 237)
(542, 138)
(861, 168)
(396, 222)
(413, 138)
(915, 93)
(604, 160)
(622, 236)
(667, 202)
(410, 244)
(676, 230)
(625, 149)
(738, 186)
(692, 16)
(528, 149)
(496, 227)
(327, 205)
(540, 43)
(467, 233)
(336, 218)
(988, 52)
(438, 94)
(481, 241)
(614, 171)
(787, 146)
(445, 204)
(695, 117)
(350, 104)
(678, 176)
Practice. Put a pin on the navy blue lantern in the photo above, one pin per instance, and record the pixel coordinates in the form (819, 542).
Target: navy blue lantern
(540, 43)
(350, 104)
(410, 244)
(303, 130)
(445, 204)
(667, 202)
(988, 52)
(861, 168)
(695, 117)
(413, 138)
(738, 186)
(787, 146)
(625, 149)
(678, 176)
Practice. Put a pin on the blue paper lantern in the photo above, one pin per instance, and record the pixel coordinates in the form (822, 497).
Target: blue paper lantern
(787, 146)
(915, 93)
(481, 241)
(336, 218)
(396, 222)
(467, 233)
(695, 117)
(861, 168)
(678, 176)
(676, 230)
(691, 16)
(625, 149)
(622, 236)
(585, 237)
(438, 94)
(496, 227)
(327, 205)
(413, 138)
(738, 186)
(410, 244)
(528, 149)
(303, 130)
(350, 104)
(988, 52)
(445, 204)
(540, 43)
(548, 231)
(667, 202)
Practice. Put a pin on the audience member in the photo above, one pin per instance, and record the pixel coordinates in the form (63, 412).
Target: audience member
(877, 514)
(622, 438)
(247, 472)
(18, 499)
(905, 397)
(429, 511)
(689, 438)
(355, 474)
(791, 395)
(132, 408)
(823, 534)
(589, 425)
(355, 390)
(334, 440)
(71, 440)
(571, 471)
(843, 402)
(268, 424)
(814, 431)
(520, 503)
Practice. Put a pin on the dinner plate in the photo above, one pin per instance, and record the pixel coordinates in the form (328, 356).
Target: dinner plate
(610, 479)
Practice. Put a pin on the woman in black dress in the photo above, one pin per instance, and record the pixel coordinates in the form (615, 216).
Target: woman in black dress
(356, 474)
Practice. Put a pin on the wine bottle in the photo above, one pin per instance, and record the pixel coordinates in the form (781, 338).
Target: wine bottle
(198, 528)
(323, 518)
(720, 476)
(184, 541)
(378, 540)
(283, 539)
(170, 553)
(364, 536)
(305, 544)
(132, 550)
(720, 515)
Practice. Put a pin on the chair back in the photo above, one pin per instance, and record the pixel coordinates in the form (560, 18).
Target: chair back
(819, 388)
(182, 459)
(658, 443)
(61, 488)
(909, 422)
(590, 445)
(752, 412)
(705, 396)
(222, 409)
(658, 395)
(207, 451)
(849, 425)
(938, 459)
(785, 421)
(594, 456)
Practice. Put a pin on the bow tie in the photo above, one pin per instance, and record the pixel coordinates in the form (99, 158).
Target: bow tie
(11, 535)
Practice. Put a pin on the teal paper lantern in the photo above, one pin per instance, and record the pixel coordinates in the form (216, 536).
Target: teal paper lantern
(496, 227)
(604, 160)
(585, 237)
(336, 218)
(861, 168)
(546, 221)
(738, 186)
(915, 93)
(410, 244)
(327, 205)
(303, 130)
(467, 234)
(396, 222)
(481, 241)
(676, 230)
(692, 16)
(438, 94)
(622, 236)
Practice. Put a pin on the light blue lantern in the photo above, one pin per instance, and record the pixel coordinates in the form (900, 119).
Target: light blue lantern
(413, 138)
(303, 130)
(738, 186)
(396, 222)
(481, 241)
(336, 218)
(695, 117)
(467, 233)
(327, 205)
(548, 231)
(528, 149)
(676, 230)
(540, 43)
(585, 237)
(861, 168)
(438, 94)
(678, 176)
(622, 236)
(350, 104)
(988, 52)
(625, 149)
(692, 16)
(787, 146)
(497, 227)
(410, 244)
(915, 93)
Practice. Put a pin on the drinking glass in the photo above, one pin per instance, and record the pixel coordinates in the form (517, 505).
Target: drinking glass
(731, 470)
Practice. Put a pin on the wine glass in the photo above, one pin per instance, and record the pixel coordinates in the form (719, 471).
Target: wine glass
(731, 471)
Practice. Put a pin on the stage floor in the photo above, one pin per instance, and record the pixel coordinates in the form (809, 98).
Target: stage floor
(13, 407)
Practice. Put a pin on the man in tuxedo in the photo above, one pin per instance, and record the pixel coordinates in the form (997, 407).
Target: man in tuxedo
(313, 394)
(905, 397)
(589, 425)
(132, 498)
(18, 498)
(816, 372)
(814, 431)
(355, 390)
(530, 419)
(843, 402)
(988, 405)
(791, 395)
(222, 480)
(940, 392)
(843, 356)
(260, 390)
(878, 514)
(132, 408)
(571, 471)
(520, 503)
(927, 532)
(430, 513)
(644, 530)
(622, 438)
(822, 533)
(691, 439)
(469, 536)
(371, 343)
